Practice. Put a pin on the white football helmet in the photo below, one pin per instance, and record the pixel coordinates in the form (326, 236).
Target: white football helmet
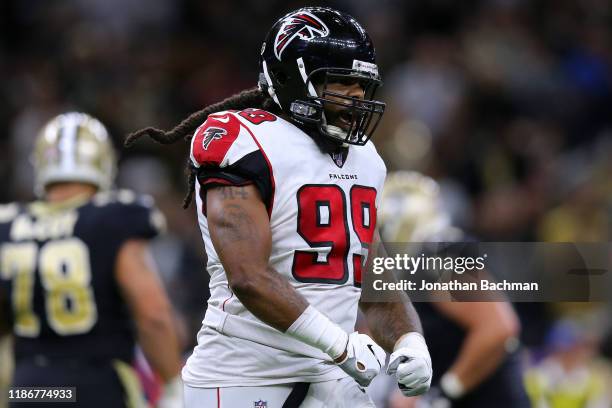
(73, 147)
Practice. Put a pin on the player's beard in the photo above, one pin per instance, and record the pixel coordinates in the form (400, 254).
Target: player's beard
(325, 143)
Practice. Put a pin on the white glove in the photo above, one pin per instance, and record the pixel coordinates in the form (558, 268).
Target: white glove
(364, 358)
(172, 396)
(411, 364)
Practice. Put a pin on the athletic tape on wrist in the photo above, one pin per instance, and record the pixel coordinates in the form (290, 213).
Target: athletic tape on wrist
(315, 329)
(412, 339)
(451, 385)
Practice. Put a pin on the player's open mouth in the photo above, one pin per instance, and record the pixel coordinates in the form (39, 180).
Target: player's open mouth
(346, 119)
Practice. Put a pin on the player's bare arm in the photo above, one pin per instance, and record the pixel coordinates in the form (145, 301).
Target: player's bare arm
(395, 325)
(137, 277)
(389, 320)
(298, 145)
(489, 325)
(240, 231)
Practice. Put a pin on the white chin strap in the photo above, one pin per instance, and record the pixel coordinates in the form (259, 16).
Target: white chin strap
(335, 131)
(302, 69)
(271, 90)
(332, 130)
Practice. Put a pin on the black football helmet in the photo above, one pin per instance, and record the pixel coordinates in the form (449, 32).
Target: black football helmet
(310, 48)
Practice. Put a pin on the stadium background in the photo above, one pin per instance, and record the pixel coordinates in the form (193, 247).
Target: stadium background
(506, 103)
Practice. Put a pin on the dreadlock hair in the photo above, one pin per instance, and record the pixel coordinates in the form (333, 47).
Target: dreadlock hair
(249, 98)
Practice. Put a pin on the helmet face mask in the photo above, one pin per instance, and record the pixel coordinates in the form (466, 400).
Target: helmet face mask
(73, 147)
(349, 119)
(319, 51)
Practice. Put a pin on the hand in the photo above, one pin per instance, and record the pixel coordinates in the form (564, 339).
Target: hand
(362, 359)
(411, 364)
(172, 396)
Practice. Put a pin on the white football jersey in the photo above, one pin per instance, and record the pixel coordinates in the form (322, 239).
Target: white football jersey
(322, 212)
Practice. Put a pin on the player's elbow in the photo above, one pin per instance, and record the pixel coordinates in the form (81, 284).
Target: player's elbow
(505, 329)
(498, 328)
(510, 327)
(248, 282)
(245, 288)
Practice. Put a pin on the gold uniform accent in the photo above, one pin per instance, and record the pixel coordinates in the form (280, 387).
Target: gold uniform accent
(19, 263)
(66, 276)
(65, 273)
(6, 368)
(412, 211)
(134, 395)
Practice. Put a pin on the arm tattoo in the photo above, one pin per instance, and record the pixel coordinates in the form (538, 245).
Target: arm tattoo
(235, 225)
(388, 321)
(279, 284)
(293, 303)
(233, 193)
(242, 236)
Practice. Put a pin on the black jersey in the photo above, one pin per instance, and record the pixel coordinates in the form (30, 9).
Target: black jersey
(503, 388)
(58, 267)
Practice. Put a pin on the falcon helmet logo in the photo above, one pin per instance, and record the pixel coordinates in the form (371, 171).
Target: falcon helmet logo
(301, 24)
(211, 134)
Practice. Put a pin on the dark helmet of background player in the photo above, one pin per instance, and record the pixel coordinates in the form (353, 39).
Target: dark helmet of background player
(310, 48)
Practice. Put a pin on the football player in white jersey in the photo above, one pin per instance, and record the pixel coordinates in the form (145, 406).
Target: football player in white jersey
(287, 185)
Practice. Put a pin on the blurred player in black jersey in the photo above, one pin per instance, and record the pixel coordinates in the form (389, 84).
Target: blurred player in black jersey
(473, 344)
(80, 287)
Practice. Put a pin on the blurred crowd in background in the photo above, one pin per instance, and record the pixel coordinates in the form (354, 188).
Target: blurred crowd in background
(506, 103)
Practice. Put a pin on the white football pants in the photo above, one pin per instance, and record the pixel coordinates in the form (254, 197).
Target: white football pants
(342, 393)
